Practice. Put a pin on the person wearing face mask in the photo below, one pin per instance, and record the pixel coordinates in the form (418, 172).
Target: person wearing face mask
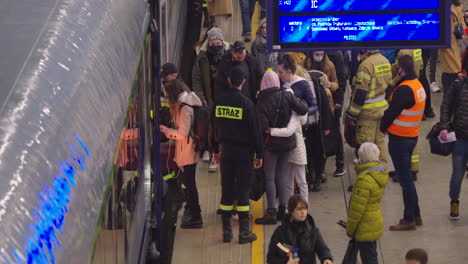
(319, 61)
(300, 232)
(368, 102)
(204, 71)
(402, 121)
(267, 60)
(239, 57)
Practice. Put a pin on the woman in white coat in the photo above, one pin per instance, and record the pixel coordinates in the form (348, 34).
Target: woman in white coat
(297, 159)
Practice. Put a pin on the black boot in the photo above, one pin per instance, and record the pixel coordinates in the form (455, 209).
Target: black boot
(268, 219)
(227, 227)
(245, 236)
(393, 175)
(281, 213)
(316, 187)
(193, 220)
(414, 174)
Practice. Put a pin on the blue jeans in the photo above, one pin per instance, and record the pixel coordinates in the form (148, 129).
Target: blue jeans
(247, 9)
(459, 159)
(400, 151)
(368, 252)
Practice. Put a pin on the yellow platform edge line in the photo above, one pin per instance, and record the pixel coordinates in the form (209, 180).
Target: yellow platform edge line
(258, 245)
(257, 207)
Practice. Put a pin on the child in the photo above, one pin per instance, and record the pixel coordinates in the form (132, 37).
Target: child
(365, 221)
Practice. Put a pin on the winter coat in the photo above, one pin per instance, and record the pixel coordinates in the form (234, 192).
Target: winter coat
(303, 91)
(298, 155)
(202, 81)
(299, 57)
(225, 67)
(183, 117)
(220, 7)
(259, 50)
(365, 221)
(450, 58)
(454, 109)
(267, 108)
(302, 235)
(327, 67)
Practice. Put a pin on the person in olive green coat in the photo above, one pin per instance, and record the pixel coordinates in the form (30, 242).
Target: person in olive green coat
(365, 221)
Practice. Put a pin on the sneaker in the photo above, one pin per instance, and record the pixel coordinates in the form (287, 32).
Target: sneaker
(323, 178)
(247, 37)
(206, 156)
(213, 167)
(340, 171)
(454, 210)
(356, 161)
(435, 87)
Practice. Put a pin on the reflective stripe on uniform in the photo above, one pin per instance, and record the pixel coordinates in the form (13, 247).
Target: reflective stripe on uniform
(375, 105)
(382, 70)
(245, 208)
(365, 76)
(169, 176)
(406, 124)
(226, 207)
(229, 112)
(412, 113)
(414, 158)
(165, 104)
(354, 111)
(183, 186)
(375, 100)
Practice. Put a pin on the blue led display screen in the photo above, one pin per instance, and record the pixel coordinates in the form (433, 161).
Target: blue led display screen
(339, 5)
(301, 25)
(359, 28)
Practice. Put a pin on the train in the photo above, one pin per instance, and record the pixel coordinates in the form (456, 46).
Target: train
(79, 137)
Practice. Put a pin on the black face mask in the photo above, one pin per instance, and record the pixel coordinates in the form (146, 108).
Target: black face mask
(215, 49)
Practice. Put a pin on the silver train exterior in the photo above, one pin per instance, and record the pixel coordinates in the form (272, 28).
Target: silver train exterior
(66, 74)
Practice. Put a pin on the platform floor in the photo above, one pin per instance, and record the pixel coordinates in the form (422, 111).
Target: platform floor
(445, 240)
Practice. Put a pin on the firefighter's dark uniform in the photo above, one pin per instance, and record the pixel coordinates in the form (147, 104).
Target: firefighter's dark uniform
(237, 137)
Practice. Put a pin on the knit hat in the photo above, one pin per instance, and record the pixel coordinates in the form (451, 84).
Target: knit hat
(215, 33)
(270, 79)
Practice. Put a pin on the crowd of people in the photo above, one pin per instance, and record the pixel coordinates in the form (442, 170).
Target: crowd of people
(282, 113)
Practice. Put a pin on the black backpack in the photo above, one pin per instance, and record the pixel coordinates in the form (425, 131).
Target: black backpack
(201, 126)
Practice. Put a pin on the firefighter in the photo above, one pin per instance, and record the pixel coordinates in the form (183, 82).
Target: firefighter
(237, 147)
(368, 102)
(416, 54)
(402, 121)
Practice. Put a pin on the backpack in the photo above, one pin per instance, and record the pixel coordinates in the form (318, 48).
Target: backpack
(201, 126)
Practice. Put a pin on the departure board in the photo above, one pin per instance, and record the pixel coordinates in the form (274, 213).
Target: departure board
(361, 24)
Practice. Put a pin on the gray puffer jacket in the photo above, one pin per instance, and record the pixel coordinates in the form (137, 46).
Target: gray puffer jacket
(454, 109)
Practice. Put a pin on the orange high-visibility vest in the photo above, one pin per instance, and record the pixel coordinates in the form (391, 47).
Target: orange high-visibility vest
(408, 122)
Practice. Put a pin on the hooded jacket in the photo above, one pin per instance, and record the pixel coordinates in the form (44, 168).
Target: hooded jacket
(260, 51)
(365, 221)
(302, 235)
(202, 79)
(183, 117)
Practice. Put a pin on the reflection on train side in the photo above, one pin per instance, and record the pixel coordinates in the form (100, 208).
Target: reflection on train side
(49, 215)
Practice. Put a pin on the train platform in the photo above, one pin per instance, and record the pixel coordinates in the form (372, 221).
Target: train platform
(442, 238)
